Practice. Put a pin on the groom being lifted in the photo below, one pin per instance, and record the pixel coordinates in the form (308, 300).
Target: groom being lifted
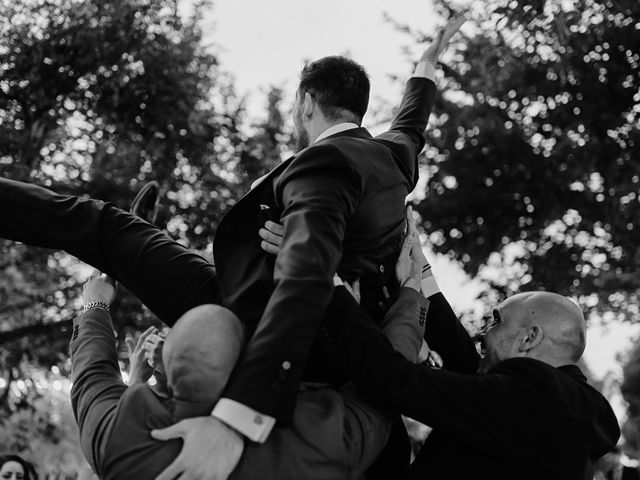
(341, 201)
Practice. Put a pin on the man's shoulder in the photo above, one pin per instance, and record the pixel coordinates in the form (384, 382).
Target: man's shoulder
(138, 412)
(321, 158)
(526, 367)
(142, 399)
(131, 448)
(566, 399)
(362, 155)
(561, 385)
(328, 148)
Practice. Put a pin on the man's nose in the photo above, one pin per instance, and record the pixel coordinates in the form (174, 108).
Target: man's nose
(480, 340)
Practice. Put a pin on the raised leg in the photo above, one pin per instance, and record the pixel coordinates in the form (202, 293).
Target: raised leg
(164, 275)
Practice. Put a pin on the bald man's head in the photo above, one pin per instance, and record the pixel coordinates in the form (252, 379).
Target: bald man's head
(541, 325)
(201, 351)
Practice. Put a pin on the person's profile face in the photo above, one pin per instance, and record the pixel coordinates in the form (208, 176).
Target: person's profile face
(11, 471)
(492, 340)
(501, 335)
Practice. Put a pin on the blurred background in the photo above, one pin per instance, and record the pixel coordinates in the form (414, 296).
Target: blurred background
(530, 178)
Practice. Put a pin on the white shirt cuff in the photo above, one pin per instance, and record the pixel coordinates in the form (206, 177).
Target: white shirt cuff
(252, 424)
(425, 69)
(428, 284)
(423, 354)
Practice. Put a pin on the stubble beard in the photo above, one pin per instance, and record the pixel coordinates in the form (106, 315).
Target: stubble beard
(300, 134)
(302, 140)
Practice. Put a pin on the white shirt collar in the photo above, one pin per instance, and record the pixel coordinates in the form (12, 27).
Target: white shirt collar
(340, 127)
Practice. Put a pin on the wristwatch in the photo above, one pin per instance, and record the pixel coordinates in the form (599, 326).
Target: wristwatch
(95, 304)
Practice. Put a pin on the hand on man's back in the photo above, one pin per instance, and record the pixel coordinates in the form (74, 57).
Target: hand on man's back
(271, 235)
(210, 451)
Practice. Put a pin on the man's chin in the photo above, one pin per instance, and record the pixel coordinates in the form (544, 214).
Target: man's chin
(302, 138)
(302, 143)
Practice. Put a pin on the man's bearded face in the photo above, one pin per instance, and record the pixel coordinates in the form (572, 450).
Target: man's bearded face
(299, 132)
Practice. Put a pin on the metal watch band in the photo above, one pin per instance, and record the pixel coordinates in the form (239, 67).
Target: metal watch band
(96, 304)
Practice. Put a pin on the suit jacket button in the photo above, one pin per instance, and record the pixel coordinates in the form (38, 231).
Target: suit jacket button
(286, 365)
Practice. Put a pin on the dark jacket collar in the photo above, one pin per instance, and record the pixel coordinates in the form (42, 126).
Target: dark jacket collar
(574, 372)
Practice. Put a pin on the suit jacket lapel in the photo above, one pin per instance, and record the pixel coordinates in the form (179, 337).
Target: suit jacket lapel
(235, 220)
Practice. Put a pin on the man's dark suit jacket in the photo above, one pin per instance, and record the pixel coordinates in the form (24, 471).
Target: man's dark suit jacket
(341, 201)
(333, 435)
(523, 419)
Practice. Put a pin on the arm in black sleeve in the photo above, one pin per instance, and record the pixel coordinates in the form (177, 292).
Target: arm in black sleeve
(409, 124)
(446, 335)
(469, 405)
(320, 191)
(404, 323)
(97, 382)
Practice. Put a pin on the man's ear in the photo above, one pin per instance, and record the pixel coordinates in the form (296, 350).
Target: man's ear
(307, 106)
(532, 339)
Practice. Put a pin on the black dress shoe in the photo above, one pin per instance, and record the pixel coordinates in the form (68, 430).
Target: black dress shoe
(147, 202)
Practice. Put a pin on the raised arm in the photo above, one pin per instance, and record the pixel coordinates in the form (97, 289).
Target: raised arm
(412, 118)
(95, 373)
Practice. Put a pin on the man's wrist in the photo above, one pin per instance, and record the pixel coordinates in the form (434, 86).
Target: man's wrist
(95, 304)
(252, 424)
(412, 283)
(426, 69)
(428, 284)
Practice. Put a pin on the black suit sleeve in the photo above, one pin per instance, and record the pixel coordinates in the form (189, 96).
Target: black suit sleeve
(409, 124)
(97, 382)
(320, 191)
(481, 408)
(445, 334)
(404, 323)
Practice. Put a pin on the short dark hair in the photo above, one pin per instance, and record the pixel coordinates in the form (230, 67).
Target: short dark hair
(339, 85)
(29, 469)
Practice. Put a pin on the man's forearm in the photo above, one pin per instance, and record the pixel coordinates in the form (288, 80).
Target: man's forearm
(97, 382)
(438, 398)
(94, 358)
(404, 323)
(446, 335)
(319, 191)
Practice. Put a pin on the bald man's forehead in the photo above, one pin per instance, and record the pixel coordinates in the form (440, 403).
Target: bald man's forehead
(510, 311)
(542, 306)
(515, 300)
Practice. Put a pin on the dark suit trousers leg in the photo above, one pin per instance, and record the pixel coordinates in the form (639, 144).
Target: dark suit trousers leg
(164, 275)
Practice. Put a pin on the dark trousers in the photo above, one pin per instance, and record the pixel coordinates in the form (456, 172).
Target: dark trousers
(167, 277)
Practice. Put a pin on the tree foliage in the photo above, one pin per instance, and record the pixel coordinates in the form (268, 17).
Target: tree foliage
(630, 389)
(96, 98)
(533, 159)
